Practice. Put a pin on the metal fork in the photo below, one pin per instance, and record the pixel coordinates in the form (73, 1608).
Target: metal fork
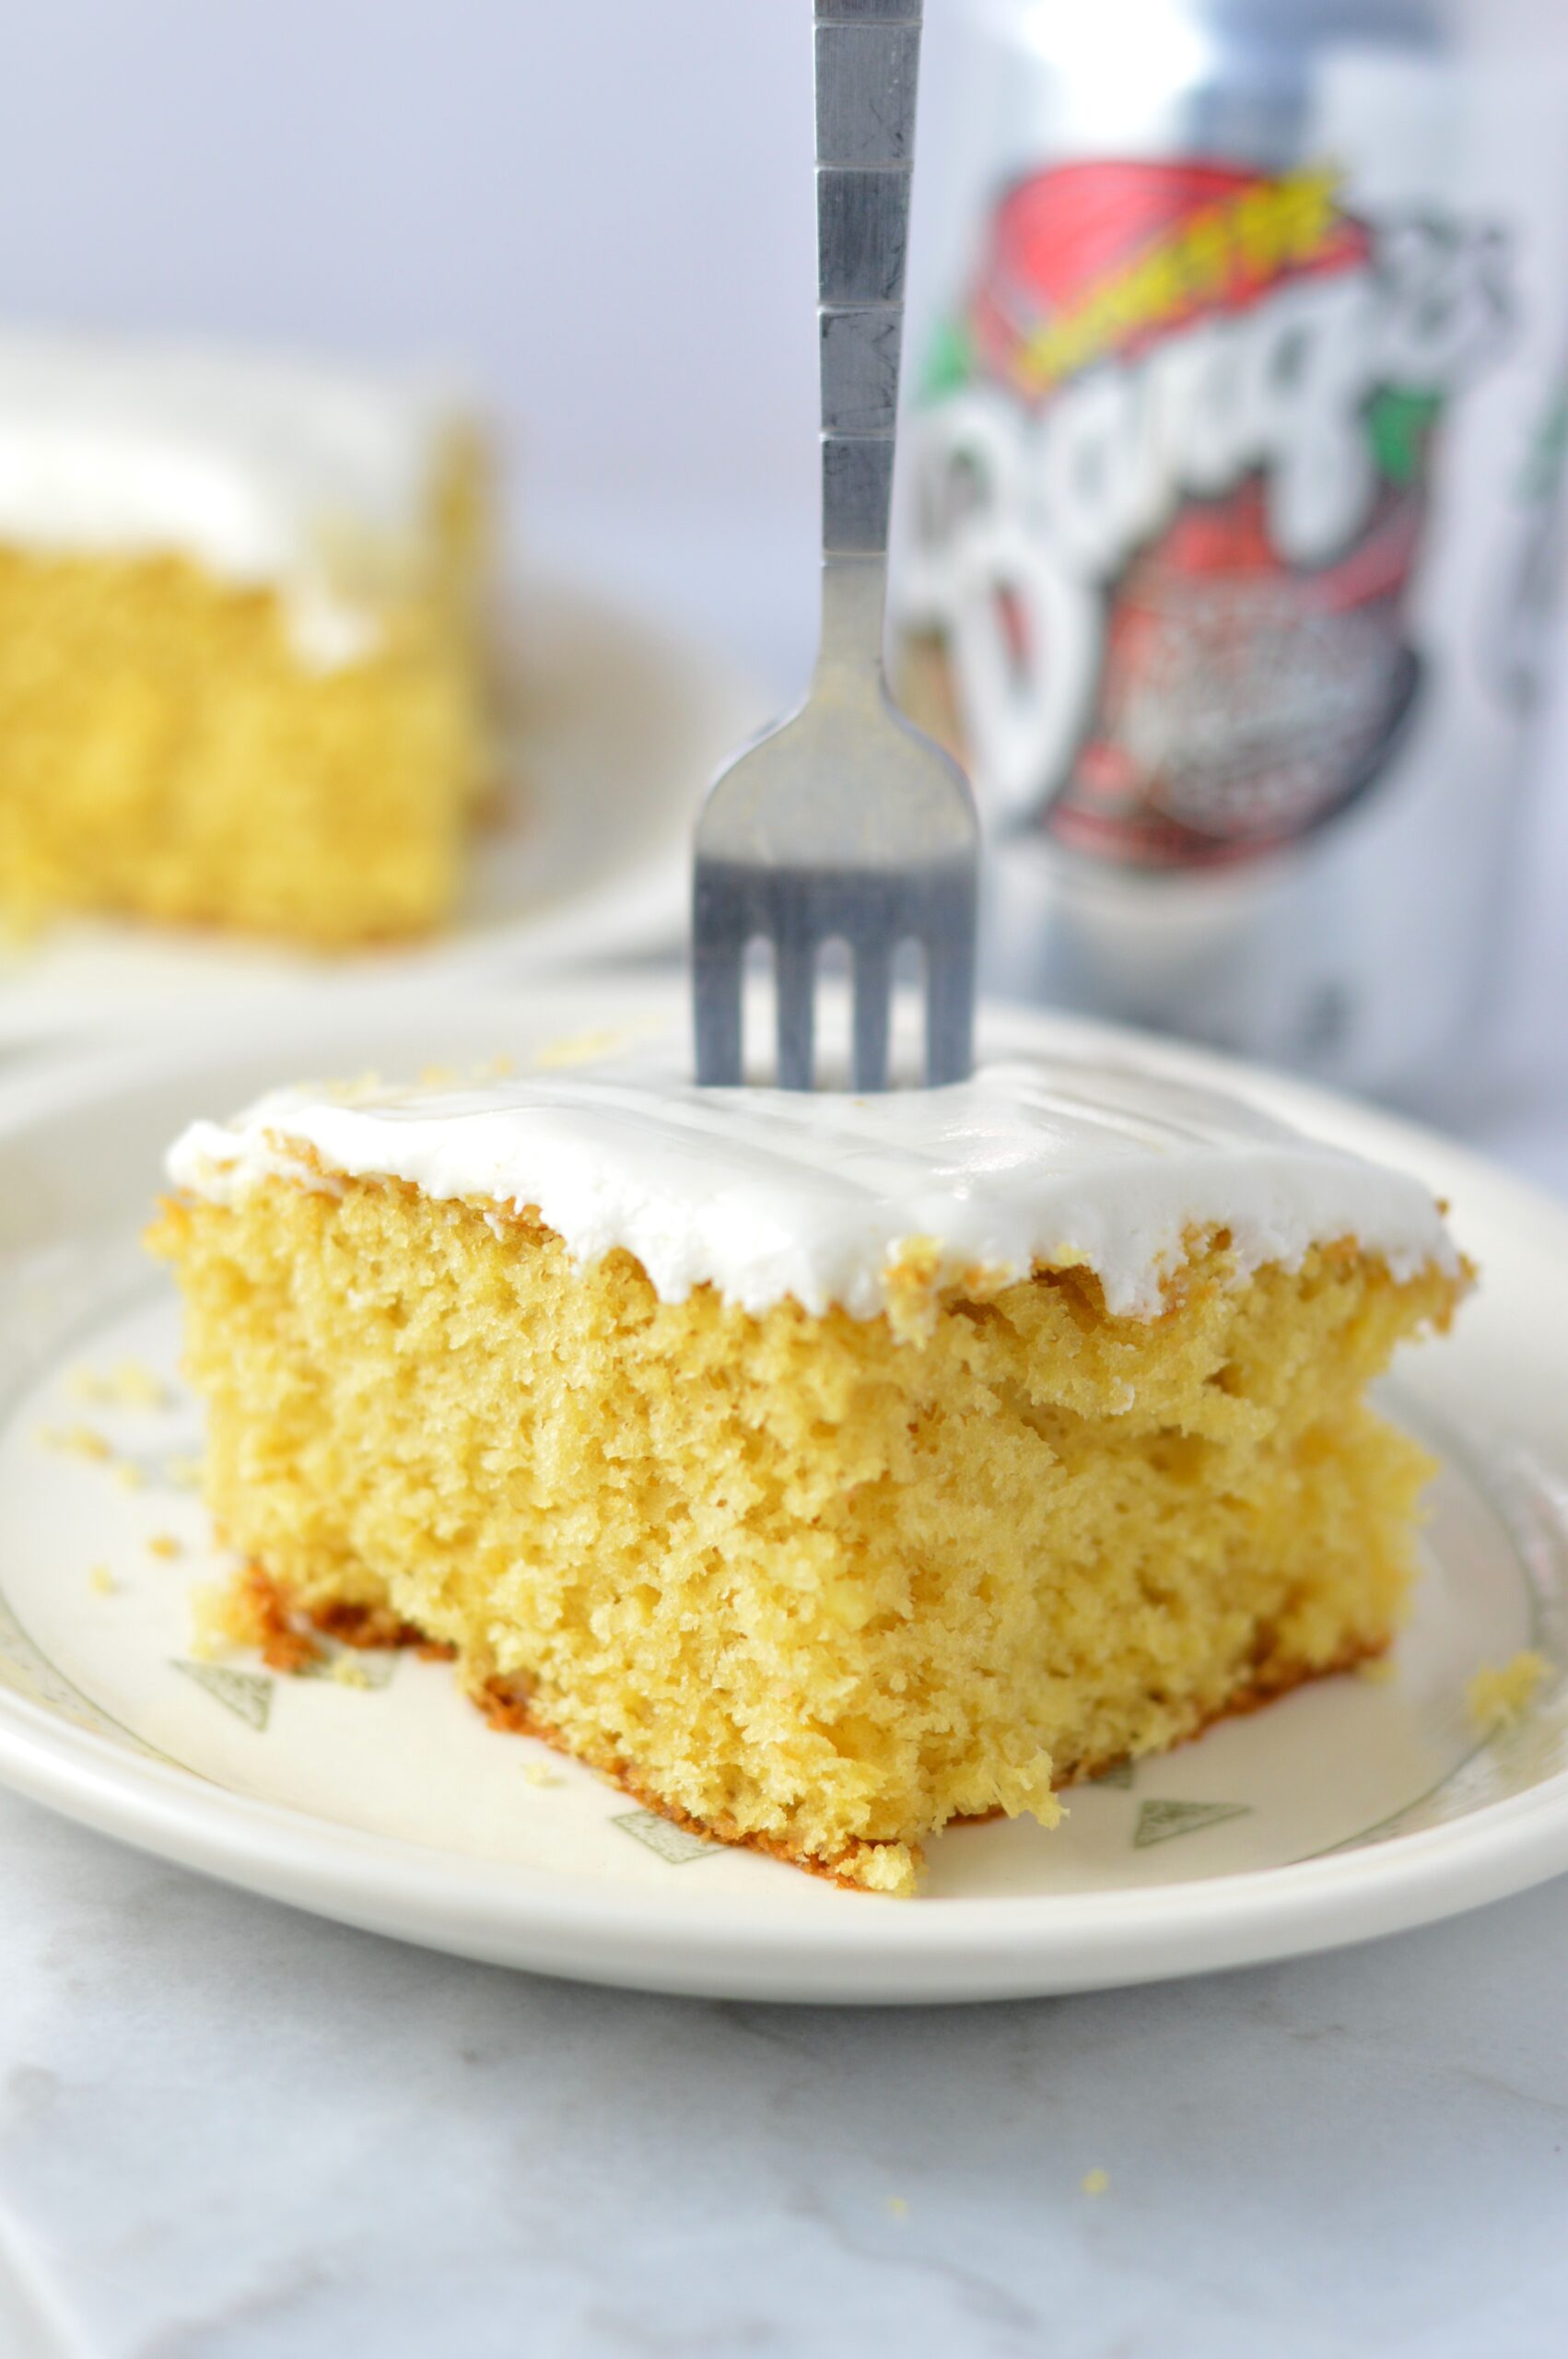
(843, 822)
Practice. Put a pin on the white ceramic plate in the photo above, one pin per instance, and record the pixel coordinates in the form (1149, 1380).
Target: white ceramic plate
(1351, 1809)
(615, 727)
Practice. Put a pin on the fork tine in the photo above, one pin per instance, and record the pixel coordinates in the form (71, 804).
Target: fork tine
(716, 999)
(874, 992)
(794, 989)
(950, 1002)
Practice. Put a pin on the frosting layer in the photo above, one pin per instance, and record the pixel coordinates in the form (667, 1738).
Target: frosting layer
(767, 1194)
(262, 470)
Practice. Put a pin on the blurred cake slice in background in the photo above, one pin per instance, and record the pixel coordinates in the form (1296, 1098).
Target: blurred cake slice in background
(240, 667)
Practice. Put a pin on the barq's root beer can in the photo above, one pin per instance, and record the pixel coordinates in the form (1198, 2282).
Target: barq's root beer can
(1232, 499)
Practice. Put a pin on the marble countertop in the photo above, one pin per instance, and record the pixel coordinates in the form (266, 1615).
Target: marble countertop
(227, 2131)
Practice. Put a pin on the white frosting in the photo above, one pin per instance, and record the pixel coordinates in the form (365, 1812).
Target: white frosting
(262, 470)
(765, 1193)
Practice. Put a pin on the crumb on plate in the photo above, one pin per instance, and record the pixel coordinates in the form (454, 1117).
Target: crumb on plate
(130, 1384)
(212, 1630)
(1499, 1694)
(578, 1049)
(75, 1441)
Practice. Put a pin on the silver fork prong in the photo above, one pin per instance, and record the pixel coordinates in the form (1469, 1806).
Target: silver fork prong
(874, 994)
(950, 1008)
(794, 993)
(718, 975)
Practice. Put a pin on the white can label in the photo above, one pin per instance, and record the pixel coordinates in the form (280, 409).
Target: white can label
(1173, 490)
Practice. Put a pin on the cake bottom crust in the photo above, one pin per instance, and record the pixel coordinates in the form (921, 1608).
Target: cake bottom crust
(262, 1612)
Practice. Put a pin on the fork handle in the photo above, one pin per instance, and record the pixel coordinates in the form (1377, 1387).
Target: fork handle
(868, 54)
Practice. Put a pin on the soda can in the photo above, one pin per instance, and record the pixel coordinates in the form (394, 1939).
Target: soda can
(1231, 503)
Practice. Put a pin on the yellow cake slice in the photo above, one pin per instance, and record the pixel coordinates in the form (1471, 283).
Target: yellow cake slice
(824, 1469)
(241, 675)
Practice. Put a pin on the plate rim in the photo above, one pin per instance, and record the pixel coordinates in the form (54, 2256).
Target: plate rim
(936, 1949)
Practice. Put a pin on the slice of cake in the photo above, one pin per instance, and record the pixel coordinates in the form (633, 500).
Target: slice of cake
(239, 642)
(824, 1469)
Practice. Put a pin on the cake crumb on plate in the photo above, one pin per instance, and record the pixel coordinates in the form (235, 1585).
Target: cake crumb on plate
(579, 1049)
(75, 1441)
(1499, 1694)
(212, 1633)
(130, 1384)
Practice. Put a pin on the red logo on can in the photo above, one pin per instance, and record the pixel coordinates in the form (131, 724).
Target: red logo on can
(1172, 484)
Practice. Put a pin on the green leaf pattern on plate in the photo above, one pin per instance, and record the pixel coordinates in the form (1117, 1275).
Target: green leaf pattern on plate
(661, 1835)
(246, 1694)
(1162, 1822)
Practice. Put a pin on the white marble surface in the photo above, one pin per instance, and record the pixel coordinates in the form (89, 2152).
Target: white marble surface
(231, 2132)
